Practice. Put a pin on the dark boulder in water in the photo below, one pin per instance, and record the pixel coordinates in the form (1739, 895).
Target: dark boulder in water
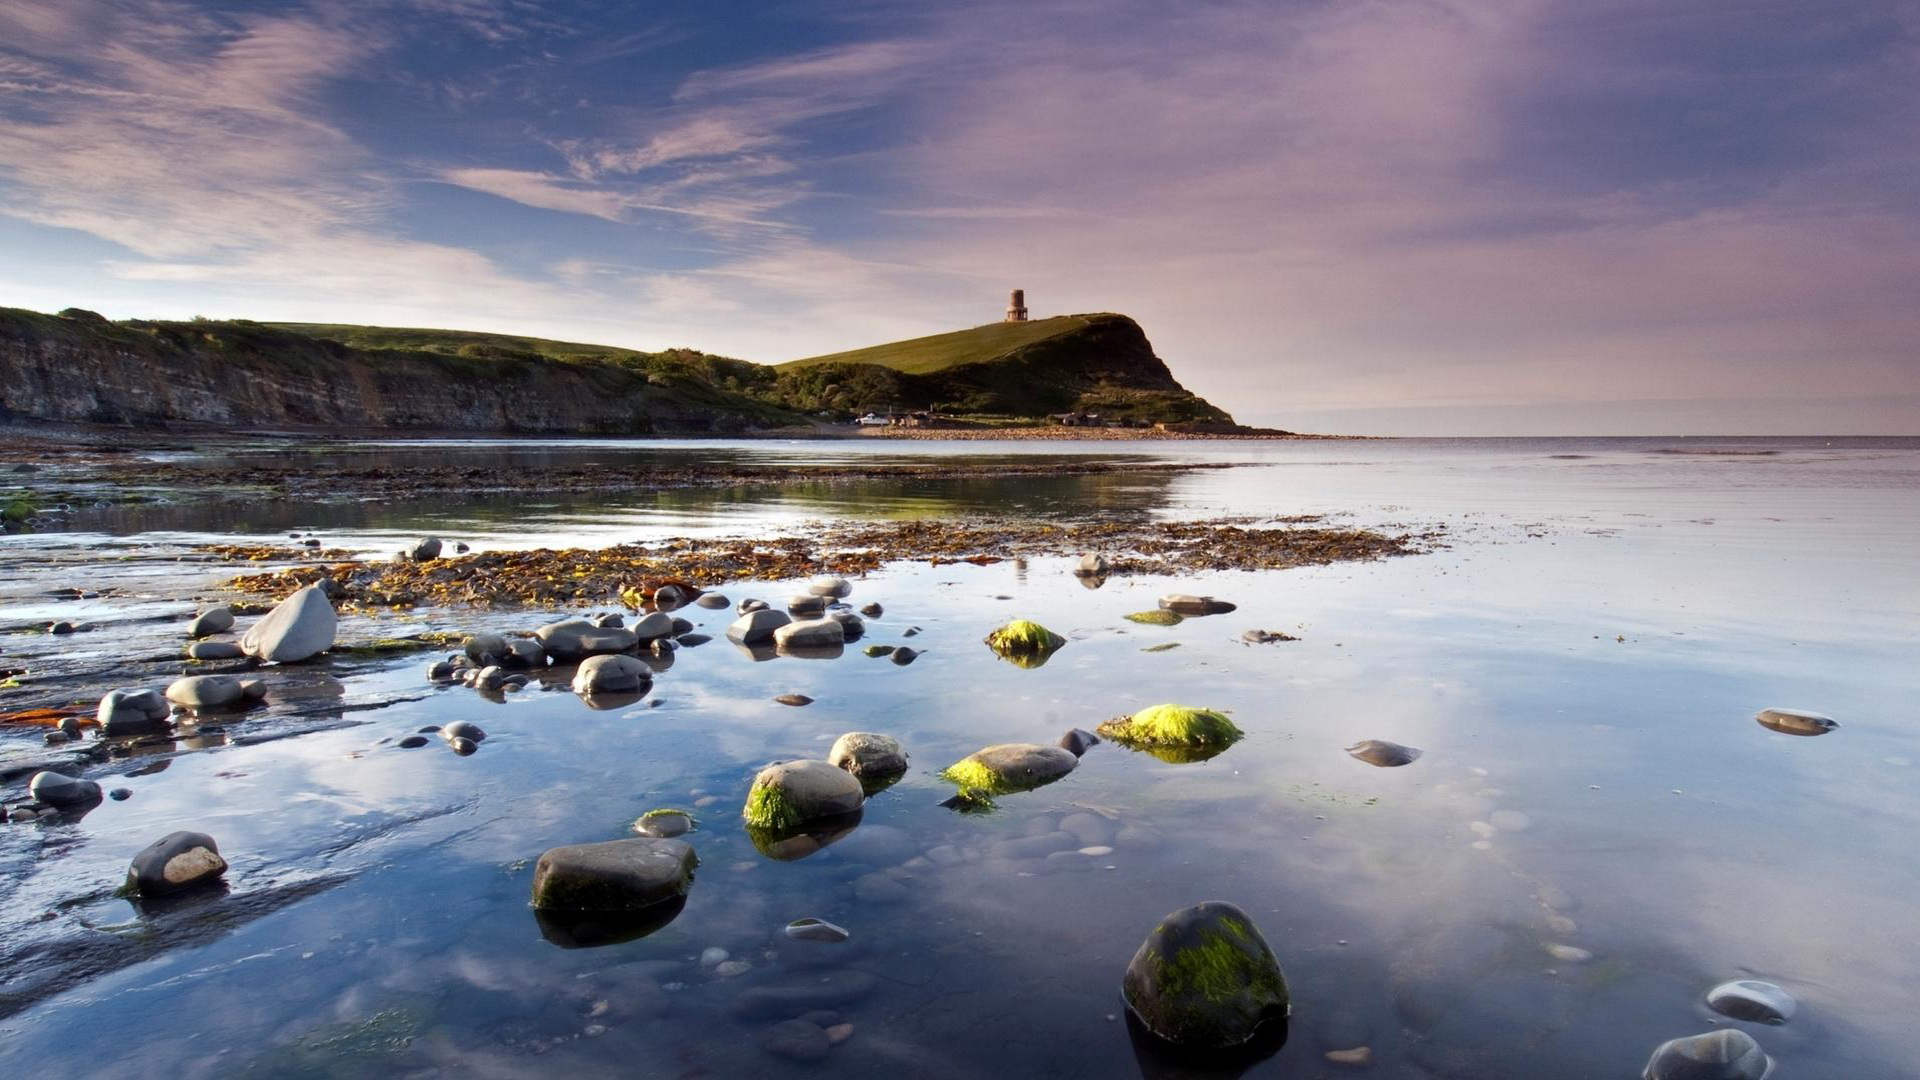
(1206, 979)
(174, 863)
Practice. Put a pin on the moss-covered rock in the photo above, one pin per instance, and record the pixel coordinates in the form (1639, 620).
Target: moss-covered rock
(1008, 767)
(618, 875)
(789, 794)
(1025, 642)
(1156, 617)
(1173, 726)
(1206, 979)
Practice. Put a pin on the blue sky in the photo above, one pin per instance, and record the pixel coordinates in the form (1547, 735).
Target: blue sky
(1508, 216)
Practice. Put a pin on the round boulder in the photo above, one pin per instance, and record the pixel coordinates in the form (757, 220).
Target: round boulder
(59, 789)
(427, 550)
(486, 648)
(1206, 979)
(214, 620)
(209, 692)
(175, 863)
(712, 601)
(756, 626)
(865, 754)
(835, 587)
(789, 794)
(575, 639)
(611, 674)
(654, 625)
(811, 634)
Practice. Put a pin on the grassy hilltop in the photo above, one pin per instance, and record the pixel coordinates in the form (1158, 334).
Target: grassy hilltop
(401, 376)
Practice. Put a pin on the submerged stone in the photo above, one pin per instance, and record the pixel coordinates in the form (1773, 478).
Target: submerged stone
(878, 650)
(1386, 755)
(1156, 617)
(175, 863)
(812, 929)
(1206, 979)
(1751, 999)
(1173, 726)
(665, 823)
(1796, 721)
(789, 794)
(1008, 767)
(616, 875)
(1717, 1055)
(298, 628)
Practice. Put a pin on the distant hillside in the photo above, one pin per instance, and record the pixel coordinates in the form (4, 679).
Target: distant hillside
(1099, 363)
(78, 366)
(925, 355)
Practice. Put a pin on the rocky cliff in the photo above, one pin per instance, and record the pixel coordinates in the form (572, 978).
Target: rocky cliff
(81, 368)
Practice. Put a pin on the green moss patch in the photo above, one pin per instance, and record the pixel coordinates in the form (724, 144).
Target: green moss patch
(1024, 637)
(1156, 617)
(768, 808)
(1173, 726)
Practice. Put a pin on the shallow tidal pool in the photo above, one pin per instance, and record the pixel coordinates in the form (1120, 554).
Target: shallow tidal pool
(1596, 833)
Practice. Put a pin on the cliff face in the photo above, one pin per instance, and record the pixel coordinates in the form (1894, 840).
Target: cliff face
(78, 367)
(245, 375)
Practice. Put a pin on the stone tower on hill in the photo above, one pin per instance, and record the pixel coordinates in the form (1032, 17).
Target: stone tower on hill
(1017, 306)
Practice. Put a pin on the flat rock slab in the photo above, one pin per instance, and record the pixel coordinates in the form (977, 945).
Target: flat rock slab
(617, 875)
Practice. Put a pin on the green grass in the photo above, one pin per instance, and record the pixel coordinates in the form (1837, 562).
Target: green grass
(448, 341)
(923, 356)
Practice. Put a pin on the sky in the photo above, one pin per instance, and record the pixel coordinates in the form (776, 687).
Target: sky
(1356, 216)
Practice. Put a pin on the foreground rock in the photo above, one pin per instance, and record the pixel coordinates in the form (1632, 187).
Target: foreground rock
(1009, 767)
(59, 789)
(611, 675)
(1752, 1000)
(576, 639)
(133, 712)
(1206, 979)
(1796, 721)
(1386, 755)
(617, 875)
(175, 863)
(299, 628)
(1025, 642)
(867, 755)
(1717, 1055)
(790, 794)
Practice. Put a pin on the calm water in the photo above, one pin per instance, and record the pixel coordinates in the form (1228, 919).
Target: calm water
(1581, 666)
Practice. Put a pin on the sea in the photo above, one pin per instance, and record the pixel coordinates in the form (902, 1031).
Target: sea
(1596, 833)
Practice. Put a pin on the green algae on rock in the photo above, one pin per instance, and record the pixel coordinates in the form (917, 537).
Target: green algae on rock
(1157, 617)
(1206, 979)
(1025, 643)
(1181, 726)
(1005, 768)
(788, 794)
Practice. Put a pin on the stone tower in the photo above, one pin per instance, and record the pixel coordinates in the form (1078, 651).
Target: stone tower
(1017, 306)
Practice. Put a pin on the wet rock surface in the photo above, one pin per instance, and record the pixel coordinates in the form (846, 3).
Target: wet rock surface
(614, 875)
(298, 628)
(1796, 721)
(866, 754)
(789, 794)
(1386, 755)
(1716, 1055)
(175, 863)
(1206, 978)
